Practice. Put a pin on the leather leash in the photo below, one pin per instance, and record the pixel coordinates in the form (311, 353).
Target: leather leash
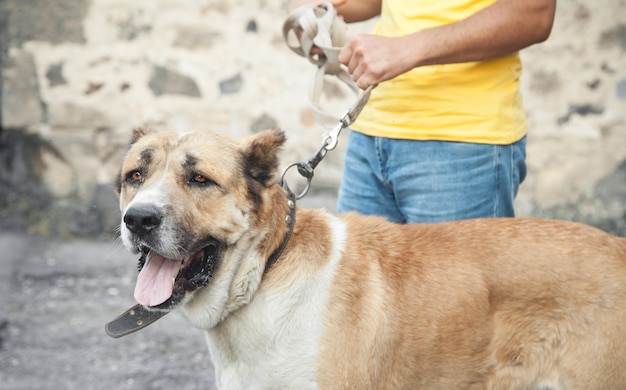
(308, 27)
(319, 26)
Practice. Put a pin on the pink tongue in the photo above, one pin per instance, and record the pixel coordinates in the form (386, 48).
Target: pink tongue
(156, 280)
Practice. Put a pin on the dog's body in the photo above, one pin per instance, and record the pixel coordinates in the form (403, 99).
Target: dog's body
(356, 302)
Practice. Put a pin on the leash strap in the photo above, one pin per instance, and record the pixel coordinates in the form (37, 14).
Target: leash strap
(132, 320)
(307, 27)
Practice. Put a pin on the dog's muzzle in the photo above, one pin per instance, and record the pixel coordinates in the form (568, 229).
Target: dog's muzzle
(163, 282)
(170, 266)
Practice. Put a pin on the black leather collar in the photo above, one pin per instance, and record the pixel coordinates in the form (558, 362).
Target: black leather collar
(290, 219)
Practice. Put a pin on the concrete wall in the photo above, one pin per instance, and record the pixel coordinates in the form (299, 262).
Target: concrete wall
(78, 75)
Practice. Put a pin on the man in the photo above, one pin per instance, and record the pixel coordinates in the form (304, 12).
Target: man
(443, 136)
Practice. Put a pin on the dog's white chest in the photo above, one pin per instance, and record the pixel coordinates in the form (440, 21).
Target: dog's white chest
(274, 341)
(276, 346)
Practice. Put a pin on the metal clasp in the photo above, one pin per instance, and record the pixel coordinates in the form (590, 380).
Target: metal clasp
(329, 142)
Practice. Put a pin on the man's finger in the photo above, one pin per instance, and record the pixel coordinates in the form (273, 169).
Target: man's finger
(345, 54)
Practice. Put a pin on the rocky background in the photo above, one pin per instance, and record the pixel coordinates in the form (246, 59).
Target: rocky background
(79, 75)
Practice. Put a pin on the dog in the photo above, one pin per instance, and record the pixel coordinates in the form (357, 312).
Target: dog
(294, 298)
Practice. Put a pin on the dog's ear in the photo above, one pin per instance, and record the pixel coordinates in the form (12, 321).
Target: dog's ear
(261, 155)
(138, 133)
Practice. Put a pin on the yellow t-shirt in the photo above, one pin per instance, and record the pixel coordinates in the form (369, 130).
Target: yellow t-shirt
(477, 102)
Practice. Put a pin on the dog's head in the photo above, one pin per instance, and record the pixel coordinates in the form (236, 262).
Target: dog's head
(203, 211)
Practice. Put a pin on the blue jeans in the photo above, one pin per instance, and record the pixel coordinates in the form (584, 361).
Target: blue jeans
(430, 181)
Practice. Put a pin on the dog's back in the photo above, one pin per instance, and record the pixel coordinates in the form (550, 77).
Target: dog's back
(497, 304)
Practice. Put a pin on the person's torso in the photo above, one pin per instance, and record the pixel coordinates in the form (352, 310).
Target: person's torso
(470, 102)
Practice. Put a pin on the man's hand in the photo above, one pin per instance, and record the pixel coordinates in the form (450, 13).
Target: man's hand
(372, 59)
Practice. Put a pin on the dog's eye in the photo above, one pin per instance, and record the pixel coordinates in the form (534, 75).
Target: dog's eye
(134, 177)
(199, 180)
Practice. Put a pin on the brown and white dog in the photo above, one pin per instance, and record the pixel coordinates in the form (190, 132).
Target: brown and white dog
(356, 302)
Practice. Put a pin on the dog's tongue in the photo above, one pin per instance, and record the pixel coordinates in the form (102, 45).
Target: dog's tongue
(156, 280)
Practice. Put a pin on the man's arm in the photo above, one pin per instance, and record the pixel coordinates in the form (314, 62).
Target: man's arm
(500, 29)
(358, 10)
(349, 10)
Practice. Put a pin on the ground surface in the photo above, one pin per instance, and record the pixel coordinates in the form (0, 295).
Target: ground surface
(55, 297)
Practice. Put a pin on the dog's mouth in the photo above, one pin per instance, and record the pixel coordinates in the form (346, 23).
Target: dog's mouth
(162, 282)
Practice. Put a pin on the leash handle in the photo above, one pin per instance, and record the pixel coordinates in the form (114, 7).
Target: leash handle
(320, 26)
(315, 26)
(309, 27)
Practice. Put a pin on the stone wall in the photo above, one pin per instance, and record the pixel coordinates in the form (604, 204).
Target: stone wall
(78, 75)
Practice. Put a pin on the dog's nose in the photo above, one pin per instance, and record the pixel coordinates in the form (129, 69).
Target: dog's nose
(142, 220)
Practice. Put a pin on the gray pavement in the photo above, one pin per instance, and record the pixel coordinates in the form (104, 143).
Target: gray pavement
(55, 297)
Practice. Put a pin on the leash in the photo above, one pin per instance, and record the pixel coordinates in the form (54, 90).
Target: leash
(319, 26)
(308, 27)
(322, 28)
